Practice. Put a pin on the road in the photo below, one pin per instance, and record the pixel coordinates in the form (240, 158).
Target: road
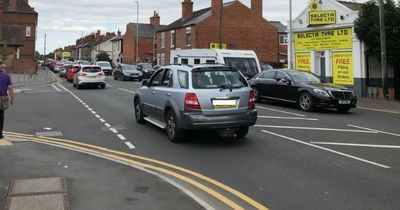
(289, 160)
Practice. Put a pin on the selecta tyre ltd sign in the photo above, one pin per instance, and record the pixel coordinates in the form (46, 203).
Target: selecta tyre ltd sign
(324, 40)
(325, 17)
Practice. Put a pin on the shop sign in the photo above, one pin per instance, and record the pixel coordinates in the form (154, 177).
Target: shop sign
(343, 73)
(215, 46)
(325, 17)
(324, 40)
(303, 61)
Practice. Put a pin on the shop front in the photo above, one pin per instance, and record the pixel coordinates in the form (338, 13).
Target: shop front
(324, 43)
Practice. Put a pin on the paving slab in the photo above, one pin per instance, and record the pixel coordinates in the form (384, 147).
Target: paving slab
(38, 202)
(21, 187)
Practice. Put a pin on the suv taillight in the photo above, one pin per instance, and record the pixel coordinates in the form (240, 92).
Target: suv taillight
(252, 100)
(192, 102)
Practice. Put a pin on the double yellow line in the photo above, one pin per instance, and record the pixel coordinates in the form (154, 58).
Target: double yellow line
(147, 163)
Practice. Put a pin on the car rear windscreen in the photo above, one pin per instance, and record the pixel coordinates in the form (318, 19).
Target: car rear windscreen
(214, 79)
(91, 69)
(248, 66)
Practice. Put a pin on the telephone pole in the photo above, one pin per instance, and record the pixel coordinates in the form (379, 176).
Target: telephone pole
(383, 49)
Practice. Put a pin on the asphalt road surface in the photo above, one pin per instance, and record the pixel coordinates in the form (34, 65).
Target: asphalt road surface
(289, 160)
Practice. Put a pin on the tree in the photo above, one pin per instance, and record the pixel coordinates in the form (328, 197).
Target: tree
(4, 52)
(103, 56)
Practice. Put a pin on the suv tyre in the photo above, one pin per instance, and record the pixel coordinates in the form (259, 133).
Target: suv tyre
(174, 133)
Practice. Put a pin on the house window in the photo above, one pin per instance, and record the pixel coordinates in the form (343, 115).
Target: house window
(162, 59)
(173, 39)
(188, 36)
(28, 31)
(283, 39)
(162, 40)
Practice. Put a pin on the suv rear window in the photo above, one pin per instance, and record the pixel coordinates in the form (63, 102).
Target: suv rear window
(91, 69)
(214, 79)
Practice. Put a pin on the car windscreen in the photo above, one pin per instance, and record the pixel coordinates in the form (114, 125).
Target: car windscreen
(128, 67)
(214, 79)
(248, 66)
(91, 69)
(306, 77)
(104, 64)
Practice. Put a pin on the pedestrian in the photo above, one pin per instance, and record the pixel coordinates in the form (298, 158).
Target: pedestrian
(6, 89)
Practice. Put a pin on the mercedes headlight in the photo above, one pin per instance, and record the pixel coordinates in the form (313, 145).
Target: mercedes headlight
(321, 93)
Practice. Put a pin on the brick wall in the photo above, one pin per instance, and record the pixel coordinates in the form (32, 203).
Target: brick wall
(129, 47)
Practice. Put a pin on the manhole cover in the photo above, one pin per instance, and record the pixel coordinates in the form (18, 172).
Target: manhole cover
(52, 133)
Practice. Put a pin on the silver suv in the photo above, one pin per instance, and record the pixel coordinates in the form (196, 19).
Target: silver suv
(182, 98)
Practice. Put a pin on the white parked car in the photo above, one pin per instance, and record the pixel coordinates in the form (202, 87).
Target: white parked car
(105, 67)
(89, 75)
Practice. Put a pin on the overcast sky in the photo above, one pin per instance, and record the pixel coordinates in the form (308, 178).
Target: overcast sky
(65, 21)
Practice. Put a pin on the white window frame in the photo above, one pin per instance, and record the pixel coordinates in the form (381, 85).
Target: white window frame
(162, 40)
(285, 39)
(173, 39)
(28, 32)
(188, 31)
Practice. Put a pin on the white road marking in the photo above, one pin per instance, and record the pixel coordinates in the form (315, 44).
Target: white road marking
(102, 120)
(328, 150)
(378, 131)
(93, 112)
(87, 106)
(314, 128)
(121, 137)
(378, 110)
(107, 125)
(108, 85)
(98, 116)
(280, 111)
(126, 90)
(90, 109)
(113, 130)
(358, 145)
(130, 145)
(287, 118)
(56, 88)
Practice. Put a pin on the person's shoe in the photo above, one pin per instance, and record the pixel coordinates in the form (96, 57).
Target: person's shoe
(1, 137)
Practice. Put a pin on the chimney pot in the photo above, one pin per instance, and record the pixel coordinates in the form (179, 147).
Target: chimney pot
(155, 20)
(187, 9)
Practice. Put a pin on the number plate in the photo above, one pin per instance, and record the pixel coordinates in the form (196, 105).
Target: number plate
(224, 104)
(92, 77)
(344, 102)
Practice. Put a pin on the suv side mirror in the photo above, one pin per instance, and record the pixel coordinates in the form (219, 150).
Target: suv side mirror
(144, 83)
(287, 81)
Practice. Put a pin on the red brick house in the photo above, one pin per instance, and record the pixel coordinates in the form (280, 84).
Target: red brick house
(283, 43)
(18, 21)
(242, 28)
(147, 34)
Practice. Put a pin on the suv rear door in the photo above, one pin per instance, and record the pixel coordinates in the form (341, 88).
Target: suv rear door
(220, 90)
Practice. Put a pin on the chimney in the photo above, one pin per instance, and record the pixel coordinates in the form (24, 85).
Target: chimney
(119, 33)
(257, 7)
(216, 6)
(155, 20)
(12, 5)
(98, 33)
(187, 9)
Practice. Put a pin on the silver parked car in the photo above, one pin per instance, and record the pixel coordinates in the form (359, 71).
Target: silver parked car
(182, 98)
(89, 75)
(105, 67)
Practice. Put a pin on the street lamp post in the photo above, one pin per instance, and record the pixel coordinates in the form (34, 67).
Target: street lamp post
(137, 32)
(290, 57)
(383, 49)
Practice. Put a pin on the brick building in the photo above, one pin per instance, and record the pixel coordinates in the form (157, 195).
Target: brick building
(18, 21)
(147, 34)
(283, 43)
(241, 28)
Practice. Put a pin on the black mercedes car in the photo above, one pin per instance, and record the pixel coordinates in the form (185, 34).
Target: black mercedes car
(305, 89)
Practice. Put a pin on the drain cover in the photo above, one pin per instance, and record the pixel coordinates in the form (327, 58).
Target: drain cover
(52, 133)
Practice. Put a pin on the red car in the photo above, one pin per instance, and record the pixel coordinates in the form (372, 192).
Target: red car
(71, 72)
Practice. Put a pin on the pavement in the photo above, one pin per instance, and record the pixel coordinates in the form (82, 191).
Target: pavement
(42, 77)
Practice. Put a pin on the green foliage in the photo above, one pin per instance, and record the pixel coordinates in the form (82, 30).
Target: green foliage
(367, 29)
(103, 56)
(4, 52)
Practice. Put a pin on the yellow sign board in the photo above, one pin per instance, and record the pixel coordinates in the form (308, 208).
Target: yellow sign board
(303, 61)
(325, 17)
(66, 54)
(343, 73)
(314, 5)
(215, 46)
(324, 40)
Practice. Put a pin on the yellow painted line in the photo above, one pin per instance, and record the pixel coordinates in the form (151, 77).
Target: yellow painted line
(214, 182)
(195, 174)
(379, 110)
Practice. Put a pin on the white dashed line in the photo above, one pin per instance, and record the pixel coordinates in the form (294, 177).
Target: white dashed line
(108, 85)
(126, 90)
(121, 137)
(287, 118)
(90, 109)
(315, 129)
(113, 130)
(102, 120)
(93, 112)
(107, 125)
(358, 145)
(130, 145)
(280, 111)
(98, 116)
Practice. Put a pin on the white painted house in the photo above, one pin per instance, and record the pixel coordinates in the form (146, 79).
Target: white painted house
(102, 44)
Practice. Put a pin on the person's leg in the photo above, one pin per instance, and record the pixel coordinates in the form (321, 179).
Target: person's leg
(1, 123)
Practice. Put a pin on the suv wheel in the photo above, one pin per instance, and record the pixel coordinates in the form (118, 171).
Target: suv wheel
(258, 97)
(174, 133)
(306, 102)
(138, 112)
(242, 132)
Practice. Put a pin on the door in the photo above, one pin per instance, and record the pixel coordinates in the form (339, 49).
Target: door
(148, 94)
(320, 64)
(163, 94)
(283, 88)
(265, 83)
